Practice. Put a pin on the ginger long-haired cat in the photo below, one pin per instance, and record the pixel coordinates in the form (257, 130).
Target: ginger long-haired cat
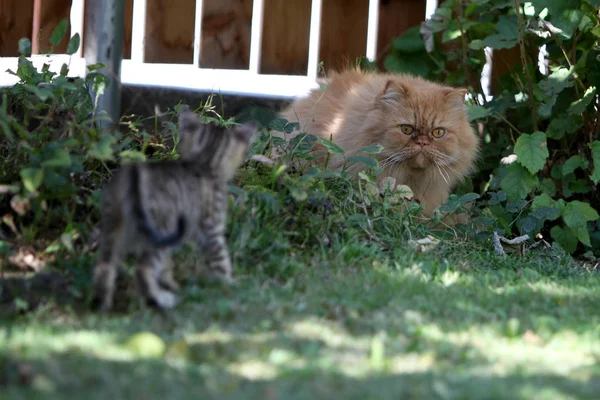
(428, 142)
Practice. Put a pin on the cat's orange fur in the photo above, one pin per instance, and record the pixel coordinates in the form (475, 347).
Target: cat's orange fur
(358, 108)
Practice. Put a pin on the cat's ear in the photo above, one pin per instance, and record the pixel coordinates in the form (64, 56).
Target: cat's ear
(393, 94)
(246, 132)
(456, 97)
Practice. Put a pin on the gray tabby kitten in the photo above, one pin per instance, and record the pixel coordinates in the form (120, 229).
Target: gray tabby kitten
(150, 208)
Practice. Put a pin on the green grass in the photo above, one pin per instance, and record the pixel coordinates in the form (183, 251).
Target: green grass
(362, 323)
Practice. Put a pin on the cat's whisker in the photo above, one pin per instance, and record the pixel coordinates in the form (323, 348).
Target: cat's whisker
(444, 177)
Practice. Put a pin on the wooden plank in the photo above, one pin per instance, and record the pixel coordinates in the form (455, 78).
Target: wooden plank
(128, 29)
(395, 17)
(52, 12)
(343, 32)
(226, 34)
(16, 21)
(169, 31)
(285, 37)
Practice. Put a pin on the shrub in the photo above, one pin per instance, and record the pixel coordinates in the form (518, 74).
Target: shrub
(541, 160)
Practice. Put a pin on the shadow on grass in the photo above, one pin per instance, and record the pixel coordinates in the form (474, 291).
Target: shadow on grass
(82, 376)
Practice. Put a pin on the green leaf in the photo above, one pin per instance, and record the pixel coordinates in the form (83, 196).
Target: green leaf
(409, 42)
(102, 149)
(59, 32)
(94, 67)
(596, 31)
(25, 46)
(73, 45)
(507, 35)
(332, 148)
(468, 198)
(557, 81)
(565, 124)
(367, 161)
(548, 186)
(477, 112)
(573, 163)
(57, 158)
(579, 106)
(371, 149)
(577, 214)
(409, 63)
(545, 202)
(32, 178)
(518, 182)
(565, 238)
(282, 125)
(532, 151)
(595, 147)
(582, 234)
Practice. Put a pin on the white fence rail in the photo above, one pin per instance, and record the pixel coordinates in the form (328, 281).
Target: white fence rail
(135, 71)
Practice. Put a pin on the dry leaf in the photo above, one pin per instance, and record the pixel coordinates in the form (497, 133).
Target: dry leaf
(423, 245)
(20, 204)
(262, 159)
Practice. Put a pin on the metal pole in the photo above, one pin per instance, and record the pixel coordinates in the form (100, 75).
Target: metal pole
(104, 31)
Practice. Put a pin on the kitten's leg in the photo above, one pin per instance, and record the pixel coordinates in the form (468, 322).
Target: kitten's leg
(105, 272)
(214, 249)
(149, 270)
(166, 279)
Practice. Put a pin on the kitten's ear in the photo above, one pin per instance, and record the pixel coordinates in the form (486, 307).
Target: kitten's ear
(188, 121)
(393, 93)
(246, 132)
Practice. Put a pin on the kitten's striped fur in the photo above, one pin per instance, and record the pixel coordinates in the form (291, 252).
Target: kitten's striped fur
(150, 208)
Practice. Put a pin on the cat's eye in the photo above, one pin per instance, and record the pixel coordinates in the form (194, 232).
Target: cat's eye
(438, 132)
(407, 129)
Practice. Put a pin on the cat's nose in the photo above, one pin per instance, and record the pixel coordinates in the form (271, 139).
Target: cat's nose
(422, 141)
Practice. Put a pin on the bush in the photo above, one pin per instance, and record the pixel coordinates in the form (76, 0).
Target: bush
(541, 160)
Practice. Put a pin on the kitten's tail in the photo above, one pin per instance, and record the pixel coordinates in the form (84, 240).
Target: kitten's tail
(145, 224)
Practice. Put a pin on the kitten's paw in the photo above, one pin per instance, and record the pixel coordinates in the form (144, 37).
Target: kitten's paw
(163, 300)
(167, 282)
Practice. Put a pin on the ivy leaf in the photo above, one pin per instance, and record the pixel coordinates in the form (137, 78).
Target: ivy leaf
(573, 163)
(595, 147)
(507, 35)
(578, 106)
(577, 214)
(367, 161)
(532, 151)
(332, 148)
(73, 45)
(545, 207)
(477, 112)
(371, 149)
(565, 237)
(518, 182)
(59, 32)
(32, 178)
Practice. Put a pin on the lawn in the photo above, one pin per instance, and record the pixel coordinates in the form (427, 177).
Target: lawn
(354, 321)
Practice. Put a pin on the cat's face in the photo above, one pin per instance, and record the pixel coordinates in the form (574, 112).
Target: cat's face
(424, 127)
(221, 149)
